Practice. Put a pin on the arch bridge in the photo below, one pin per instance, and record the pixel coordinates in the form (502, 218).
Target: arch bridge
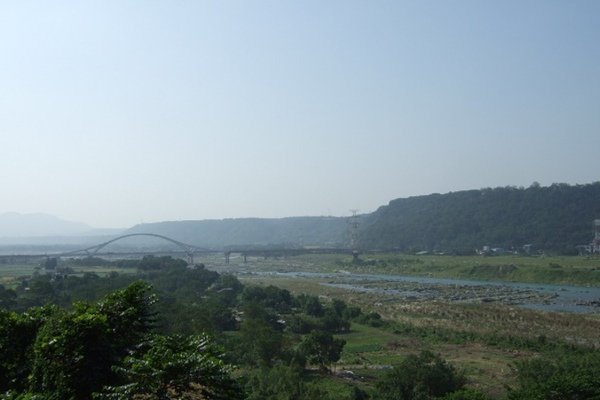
(189, 249)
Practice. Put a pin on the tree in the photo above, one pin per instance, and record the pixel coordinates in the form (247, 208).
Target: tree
(260, 342)
(129, 314)
(17, 336)
(72, 355)
(333, 322)
(174, 367)
(310, 305)
(8, 298)
(322, 348)
(575, 376)
(74, 351)
(422, 376)
(50, 263)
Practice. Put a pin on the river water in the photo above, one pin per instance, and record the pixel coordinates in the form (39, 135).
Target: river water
(560, 298)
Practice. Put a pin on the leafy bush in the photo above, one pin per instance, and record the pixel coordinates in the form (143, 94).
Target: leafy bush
(573, 376)
(422, 376)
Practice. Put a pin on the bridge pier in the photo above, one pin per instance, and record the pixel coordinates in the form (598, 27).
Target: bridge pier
(227, 258)
(245, 258)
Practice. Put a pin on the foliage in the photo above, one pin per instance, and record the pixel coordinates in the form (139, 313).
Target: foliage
(150, 262)
(321, 348)
(72, 356)
(279, 300)
(372, 319)
(282, 382)
(573, 376)
(51, 353)
(261, 342)
(174, 367)
(8, 298)
(113, 347)
(422, 376)
(558, 218)
(74, 351)
(129, 314)
(17, 335)
(310, 305)
(88, 261)
(466, 394)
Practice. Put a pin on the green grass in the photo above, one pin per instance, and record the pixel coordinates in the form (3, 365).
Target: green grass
(16, 270)
(572, 270)
(366, 344)
(11, 274)
(557, 270)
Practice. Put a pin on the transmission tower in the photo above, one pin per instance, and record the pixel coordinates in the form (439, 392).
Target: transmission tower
(353, 226)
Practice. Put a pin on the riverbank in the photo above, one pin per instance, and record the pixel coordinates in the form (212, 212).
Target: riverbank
(579, 271)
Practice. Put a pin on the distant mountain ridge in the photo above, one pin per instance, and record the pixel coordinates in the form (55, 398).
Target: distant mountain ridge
(556, 218)
(15, 225)
(290, 232)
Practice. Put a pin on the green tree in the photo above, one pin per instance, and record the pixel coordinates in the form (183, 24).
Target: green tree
(322, 348)
(51, 263)
(573, 377)
(129, 313)
(8, 298)
(422, 376)
(260, 343)
(17, 336)
(282, 382)
(174, 367)
(310, 305)
(72, 355)
(74, 351)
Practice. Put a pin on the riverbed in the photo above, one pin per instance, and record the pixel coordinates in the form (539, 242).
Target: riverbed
(555, 298)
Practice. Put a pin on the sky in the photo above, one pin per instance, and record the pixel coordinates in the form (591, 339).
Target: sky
(118, 112)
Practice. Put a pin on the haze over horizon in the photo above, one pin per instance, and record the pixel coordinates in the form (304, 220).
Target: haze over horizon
(115, 113)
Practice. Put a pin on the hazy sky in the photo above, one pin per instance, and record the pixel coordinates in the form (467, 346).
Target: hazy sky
(119, 112)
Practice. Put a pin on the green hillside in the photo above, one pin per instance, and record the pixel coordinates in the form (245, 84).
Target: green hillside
(556, 218)
(290, 232)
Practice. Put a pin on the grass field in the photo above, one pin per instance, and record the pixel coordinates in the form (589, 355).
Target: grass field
(12, 274)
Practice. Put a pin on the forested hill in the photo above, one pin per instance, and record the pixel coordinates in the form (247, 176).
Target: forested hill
(292, 231)
(557, 217)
